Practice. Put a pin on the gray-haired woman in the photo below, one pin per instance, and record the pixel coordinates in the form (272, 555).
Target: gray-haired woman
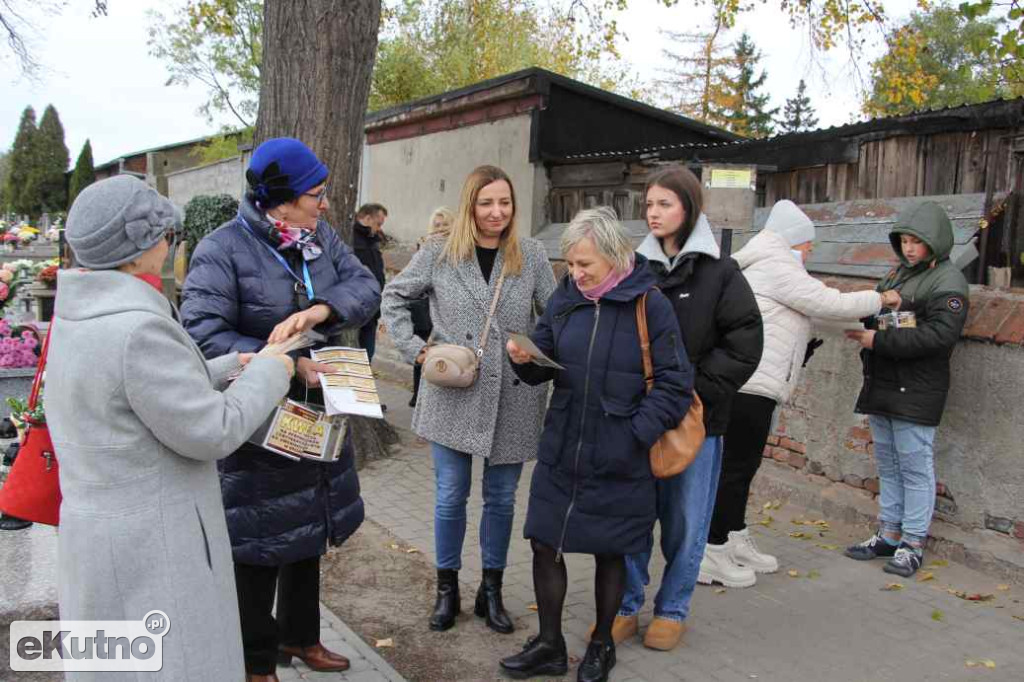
(592, 490)
(138, 417)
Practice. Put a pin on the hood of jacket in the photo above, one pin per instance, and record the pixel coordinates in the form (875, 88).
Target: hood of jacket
(700, 241)
(929, 223)
(88, 294)
(766, 246)
(642, 279)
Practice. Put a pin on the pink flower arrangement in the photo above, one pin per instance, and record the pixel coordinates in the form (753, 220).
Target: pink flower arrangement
(18, 347)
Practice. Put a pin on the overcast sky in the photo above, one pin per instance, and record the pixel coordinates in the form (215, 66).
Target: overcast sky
(107, 88)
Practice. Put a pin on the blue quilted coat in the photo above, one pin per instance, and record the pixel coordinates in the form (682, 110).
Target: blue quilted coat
(592, 490)
(278, 511)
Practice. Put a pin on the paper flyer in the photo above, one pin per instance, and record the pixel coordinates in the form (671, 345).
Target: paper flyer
(526, 344)
(298, 432)
(351, 389)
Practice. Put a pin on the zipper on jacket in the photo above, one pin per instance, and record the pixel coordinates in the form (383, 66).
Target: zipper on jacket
(579, 441)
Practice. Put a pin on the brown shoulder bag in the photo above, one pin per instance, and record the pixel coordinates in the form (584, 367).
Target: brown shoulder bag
(677, 447)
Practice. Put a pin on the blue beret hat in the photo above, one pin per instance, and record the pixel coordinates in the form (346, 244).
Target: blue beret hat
(282, 169)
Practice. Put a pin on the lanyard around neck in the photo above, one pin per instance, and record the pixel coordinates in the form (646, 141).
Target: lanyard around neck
(305, 279)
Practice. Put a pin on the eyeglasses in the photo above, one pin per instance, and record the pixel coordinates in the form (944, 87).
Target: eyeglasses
(319, 196)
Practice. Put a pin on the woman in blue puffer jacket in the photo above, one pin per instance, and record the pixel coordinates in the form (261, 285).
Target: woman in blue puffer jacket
(278, 268)
(592, 490)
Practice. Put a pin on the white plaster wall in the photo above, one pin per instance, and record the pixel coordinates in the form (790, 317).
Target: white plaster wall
(414, 176)
(221, 177)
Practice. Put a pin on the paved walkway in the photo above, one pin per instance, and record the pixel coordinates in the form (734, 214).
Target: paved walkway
(821, 616)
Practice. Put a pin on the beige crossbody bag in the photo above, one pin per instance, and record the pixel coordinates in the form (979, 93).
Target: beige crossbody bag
(454, 366)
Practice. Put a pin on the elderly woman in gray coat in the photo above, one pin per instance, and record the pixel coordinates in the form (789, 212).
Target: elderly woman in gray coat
(498, 418)
(137, 418)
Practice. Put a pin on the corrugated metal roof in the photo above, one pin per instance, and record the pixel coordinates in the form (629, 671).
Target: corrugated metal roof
(859, 127)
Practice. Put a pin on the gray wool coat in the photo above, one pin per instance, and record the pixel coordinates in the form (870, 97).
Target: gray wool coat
(498, 417)
(138, 418)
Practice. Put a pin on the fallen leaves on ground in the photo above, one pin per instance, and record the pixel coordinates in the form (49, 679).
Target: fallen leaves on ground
(774, 504)
(1003, 588)
(800, 535)
(766, 522)
(1017, 617)
(938, 563)
(972, 596)
(937, 615)
(892, 587)
(720, 590)
(986, 662)
(813, 574)
(394, 546)
(831, 548)
(925, 576)
(793, 573)
(412, 550)
(384, 643)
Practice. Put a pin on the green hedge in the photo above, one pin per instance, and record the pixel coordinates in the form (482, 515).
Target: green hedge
(205, 213)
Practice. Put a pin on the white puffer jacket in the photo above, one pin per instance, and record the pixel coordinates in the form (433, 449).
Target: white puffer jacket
(788, 297)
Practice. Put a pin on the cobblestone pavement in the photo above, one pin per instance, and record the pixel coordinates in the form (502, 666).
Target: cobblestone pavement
(821, 616)
(367, 665)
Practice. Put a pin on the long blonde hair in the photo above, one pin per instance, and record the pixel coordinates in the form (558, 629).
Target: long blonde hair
(461, 243)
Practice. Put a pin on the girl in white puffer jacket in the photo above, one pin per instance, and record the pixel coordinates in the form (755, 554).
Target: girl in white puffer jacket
(788, 297)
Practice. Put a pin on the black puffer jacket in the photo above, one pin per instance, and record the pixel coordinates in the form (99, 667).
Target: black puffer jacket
(718, 317)
(593, 491)
(278, 511)
(906, 374)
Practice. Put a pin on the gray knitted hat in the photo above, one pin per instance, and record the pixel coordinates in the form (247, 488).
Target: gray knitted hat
(116, 220)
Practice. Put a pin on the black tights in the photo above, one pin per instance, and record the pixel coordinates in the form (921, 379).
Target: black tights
(550, 583)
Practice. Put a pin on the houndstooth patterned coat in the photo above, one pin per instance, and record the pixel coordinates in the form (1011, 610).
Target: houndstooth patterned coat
(498, 417)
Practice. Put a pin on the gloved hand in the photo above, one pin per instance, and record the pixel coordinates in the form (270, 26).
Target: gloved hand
(812, 345)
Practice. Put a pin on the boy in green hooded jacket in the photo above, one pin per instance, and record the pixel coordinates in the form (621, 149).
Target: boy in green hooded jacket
(906, 378)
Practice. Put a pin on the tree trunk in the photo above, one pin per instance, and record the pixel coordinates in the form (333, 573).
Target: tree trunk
(317, 65)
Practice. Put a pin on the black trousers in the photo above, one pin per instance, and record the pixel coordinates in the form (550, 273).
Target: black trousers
(745, 439)
(297, 587)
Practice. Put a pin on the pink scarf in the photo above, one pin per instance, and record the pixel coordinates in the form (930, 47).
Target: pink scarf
(611, 280)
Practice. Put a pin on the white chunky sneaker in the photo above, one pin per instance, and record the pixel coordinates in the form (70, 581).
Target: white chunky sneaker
(745, 553)
(717, 566)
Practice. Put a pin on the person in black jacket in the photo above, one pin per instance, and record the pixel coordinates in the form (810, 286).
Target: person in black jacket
(440, 225)
(367, 235)
(721, 329)
(906, 379)
(593, 491)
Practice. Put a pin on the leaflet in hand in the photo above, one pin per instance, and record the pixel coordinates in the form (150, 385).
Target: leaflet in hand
(526, 344)
(351, 388)
(298, 431)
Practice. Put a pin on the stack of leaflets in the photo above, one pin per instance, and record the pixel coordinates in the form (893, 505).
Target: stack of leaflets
(299, 432)
(351, 388)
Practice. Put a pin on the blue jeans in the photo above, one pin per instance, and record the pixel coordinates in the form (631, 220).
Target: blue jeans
(452, 474)
(685, 505)
(906, 477)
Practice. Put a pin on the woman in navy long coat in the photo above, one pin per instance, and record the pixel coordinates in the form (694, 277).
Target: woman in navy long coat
(592, 490)
(275, 269)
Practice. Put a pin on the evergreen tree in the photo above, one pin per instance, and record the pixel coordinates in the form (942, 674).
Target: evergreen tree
(798, 114)
(5, 171)
(23, 160)
(695, 82)
(83, 175)
(745, 111)
(50, 172)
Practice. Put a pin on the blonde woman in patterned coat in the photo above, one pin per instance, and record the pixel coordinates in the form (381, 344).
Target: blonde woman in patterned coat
(497, 420)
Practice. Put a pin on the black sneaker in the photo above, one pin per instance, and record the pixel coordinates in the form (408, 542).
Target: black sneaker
(874, 547)
(905, 562)
(598, 662)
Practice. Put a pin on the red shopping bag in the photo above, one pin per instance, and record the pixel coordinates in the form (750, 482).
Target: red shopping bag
(32, 489)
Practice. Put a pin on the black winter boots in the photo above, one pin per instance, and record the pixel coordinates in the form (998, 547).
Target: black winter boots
(489, 604)
(448, 604)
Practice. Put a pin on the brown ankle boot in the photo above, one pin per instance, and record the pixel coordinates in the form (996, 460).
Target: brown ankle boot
(316, 657)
